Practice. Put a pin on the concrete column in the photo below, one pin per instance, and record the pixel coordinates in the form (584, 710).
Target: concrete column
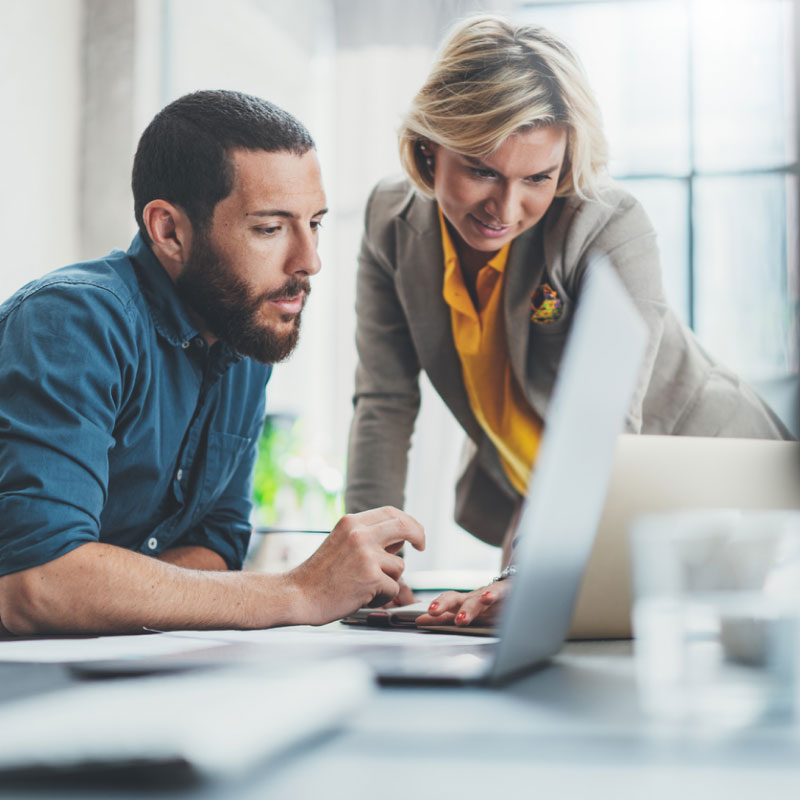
(121, 72)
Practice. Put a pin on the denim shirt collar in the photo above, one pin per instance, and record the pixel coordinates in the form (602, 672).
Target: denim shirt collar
(169, 315)
(168, 312)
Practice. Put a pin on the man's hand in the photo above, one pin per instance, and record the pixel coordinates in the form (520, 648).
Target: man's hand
(405, 597)
(356, 565)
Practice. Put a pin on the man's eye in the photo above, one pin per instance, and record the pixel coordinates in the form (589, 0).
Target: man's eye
(316, 224)
(269, 231)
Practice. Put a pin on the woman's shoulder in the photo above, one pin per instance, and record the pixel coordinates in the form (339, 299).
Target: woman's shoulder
(392, 197)
(616, 215)
(396, 198)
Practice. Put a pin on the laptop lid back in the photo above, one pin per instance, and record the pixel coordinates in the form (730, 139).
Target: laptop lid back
(651, 474)
(567, 489)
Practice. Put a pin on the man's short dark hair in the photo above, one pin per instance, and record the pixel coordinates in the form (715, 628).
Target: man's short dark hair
(184, 154)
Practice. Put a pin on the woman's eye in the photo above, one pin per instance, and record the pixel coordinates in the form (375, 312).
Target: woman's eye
(478, 172)
(537, 179)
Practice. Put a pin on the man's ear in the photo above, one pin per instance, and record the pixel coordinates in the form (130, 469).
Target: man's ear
(171, 233)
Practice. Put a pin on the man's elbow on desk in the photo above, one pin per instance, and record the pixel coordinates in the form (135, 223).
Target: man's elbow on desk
(74, 593)
(21, 603)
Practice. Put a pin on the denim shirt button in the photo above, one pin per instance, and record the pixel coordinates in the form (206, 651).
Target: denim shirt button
(185, 344)
(179, 475)
(152, 543)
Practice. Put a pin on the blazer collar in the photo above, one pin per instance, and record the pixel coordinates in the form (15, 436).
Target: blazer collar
(524, 272)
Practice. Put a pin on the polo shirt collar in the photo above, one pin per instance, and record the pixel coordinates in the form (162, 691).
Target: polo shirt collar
(454, 290)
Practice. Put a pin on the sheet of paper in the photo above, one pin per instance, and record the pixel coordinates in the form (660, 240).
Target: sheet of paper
(101, 648)
(437, 580)
(334, 634)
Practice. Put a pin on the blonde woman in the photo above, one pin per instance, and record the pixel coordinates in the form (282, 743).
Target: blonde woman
(470, 269)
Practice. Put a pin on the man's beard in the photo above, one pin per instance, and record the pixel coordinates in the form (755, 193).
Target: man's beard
(230, 309)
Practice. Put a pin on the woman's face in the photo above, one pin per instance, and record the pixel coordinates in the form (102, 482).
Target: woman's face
(491, 201)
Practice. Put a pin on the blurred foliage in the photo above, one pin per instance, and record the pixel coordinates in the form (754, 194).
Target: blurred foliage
(291, 485)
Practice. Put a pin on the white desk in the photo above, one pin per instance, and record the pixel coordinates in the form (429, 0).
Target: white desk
(572, 730)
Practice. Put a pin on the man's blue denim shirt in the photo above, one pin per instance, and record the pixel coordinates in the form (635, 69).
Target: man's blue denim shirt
(118, 423)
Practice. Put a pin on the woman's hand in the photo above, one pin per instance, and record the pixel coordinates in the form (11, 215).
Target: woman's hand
(463, 608)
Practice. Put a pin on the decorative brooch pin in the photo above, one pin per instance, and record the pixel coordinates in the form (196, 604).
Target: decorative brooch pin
(546, 305)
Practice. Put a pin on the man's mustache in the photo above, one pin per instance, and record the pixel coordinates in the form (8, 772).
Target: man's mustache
(291, 288)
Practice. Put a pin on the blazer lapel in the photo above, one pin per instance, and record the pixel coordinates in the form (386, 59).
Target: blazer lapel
(524, 272)
(420, 275)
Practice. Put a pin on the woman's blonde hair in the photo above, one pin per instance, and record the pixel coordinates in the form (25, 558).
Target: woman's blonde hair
(494, 78)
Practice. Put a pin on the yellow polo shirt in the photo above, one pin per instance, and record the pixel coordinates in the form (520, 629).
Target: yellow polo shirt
(494, 396)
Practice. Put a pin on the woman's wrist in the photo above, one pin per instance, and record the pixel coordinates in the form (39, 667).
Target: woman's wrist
(508, 572)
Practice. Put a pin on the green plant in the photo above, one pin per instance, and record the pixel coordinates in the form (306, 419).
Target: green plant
(290, 482)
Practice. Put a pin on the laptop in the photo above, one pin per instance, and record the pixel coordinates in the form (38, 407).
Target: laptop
(559, 518)
(672, 473)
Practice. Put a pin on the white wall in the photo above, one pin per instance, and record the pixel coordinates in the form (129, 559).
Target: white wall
(40, 100)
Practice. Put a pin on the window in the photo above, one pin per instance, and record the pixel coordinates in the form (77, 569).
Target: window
(699, 100)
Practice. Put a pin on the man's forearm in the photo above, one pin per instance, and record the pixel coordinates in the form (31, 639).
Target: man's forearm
(193, 557)
(99, 588)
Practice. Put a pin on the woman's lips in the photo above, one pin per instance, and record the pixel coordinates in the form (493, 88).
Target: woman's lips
(489, 230)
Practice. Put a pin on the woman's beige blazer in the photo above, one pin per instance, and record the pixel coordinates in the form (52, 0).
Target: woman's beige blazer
(404, 326)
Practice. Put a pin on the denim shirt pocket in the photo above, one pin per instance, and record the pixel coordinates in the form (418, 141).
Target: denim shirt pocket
(223, 457)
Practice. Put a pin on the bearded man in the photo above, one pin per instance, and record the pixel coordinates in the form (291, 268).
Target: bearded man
(132, 396)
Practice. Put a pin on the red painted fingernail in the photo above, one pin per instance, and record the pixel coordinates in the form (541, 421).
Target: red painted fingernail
(461, 615)
(433, 605)
(486, 594)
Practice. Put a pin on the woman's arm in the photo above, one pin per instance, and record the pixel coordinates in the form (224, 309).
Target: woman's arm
(386, 399)
(621, 233)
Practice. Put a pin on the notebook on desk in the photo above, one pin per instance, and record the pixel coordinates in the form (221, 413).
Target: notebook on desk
(559, 517)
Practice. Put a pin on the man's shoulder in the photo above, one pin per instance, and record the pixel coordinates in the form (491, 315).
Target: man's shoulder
(104, 282)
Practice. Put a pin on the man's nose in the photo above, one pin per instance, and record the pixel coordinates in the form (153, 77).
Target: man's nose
(304, 258)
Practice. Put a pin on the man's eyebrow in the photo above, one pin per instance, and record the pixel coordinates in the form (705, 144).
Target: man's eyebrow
(476, 162)
(278, 212)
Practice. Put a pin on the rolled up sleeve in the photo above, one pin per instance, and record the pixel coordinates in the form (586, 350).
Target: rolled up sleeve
(62, 381)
